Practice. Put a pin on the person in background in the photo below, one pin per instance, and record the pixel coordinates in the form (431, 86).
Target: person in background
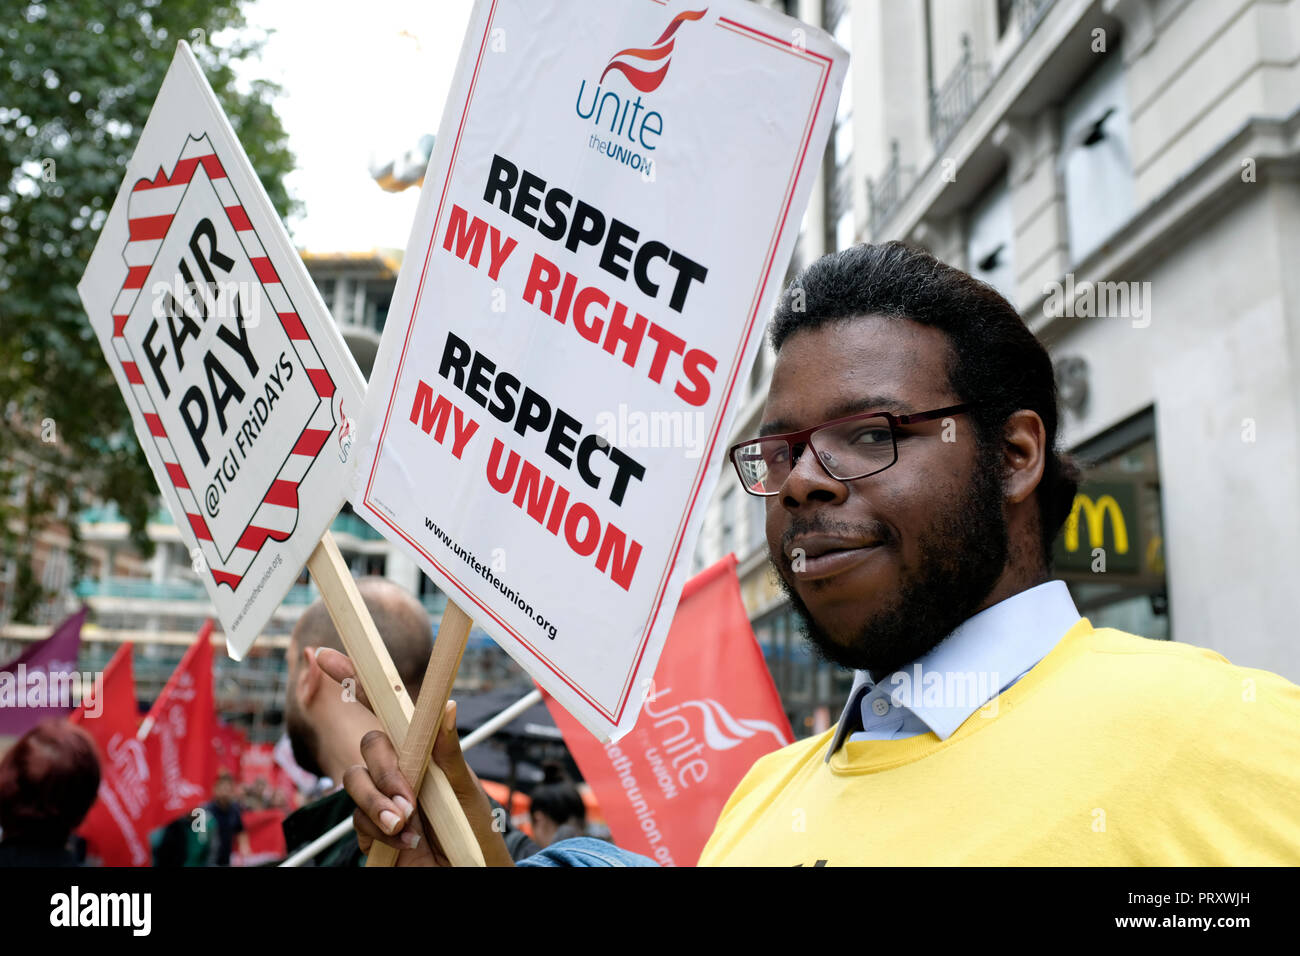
(326, 724)
(48, 783)
(225, 812)
(558, 813)
(181, 843)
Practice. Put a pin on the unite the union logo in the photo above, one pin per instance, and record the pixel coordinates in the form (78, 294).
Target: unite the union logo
(632, 128)
(648, 79)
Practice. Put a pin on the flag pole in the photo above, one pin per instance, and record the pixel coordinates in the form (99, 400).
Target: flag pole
(389, 699)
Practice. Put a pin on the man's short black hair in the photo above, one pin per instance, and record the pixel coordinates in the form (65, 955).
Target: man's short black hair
(997, 362)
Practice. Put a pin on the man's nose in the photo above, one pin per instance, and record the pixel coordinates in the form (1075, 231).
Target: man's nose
(809, 482)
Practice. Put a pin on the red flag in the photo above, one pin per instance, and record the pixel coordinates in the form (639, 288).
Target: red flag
(39, 683)
(260, 766)
(229, 743)
(178, 734)
(712, 710)
(117, 828)
(264, 836)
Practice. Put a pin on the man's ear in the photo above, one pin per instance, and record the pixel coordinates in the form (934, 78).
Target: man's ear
(1024, 455)
(309, 680)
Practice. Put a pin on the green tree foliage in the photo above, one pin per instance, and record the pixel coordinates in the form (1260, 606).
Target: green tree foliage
(77, 79)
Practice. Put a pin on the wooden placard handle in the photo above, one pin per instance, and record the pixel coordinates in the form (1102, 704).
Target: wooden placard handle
(389, 699)
(444, 661)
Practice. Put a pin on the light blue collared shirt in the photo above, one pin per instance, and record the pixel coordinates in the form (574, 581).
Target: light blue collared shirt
(982, 657)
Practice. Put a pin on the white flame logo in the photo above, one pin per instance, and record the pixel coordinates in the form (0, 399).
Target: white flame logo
(722, 731)
(132, 769)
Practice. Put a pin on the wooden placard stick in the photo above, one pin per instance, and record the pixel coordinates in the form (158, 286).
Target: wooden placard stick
(389, 699)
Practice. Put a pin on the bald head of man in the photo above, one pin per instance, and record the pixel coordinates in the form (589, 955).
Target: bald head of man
(324, 724)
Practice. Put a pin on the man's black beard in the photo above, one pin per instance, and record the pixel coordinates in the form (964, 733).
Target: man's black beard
(962, 554)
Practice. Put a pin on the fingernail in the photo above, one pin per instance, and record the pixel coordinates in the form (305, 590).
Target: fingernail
(405, 807)
(449, 721)
(411, 839)
(390, 821)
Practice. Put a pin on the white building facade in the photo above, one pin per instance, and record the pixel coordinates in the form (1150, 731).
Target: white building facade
(1125, 172)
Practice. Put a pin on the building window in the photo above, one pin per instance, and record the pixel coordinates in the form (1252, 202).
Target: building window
(434, 601)
(845, 230)
(1111, 552)
(757, 537)
(756, 374)
(1004, 15)
(1097, 158)
(990, 240)
(843, 141)
(727, 513)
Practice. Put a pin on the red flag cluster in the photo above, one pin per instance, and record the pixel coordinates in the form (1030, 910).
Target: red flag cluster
(154, 770)
(178, 733)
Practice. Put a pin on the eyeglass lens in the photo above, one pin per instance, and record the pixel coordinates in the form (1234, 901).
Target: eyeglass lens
(852, 449)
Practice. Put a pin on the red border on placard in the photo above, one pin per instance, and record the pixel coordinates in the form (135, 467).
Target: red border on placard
(157, 228)
(614, 717)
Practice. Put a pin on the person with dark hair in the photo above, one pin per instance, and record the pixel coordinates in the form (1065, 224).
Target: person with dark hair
(182, 843)
(908, 464)
(557, 812)
(49, 780)
(227, 817)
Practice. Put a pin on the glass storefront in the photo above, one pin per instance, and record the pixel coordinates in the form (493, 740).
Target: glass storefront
(1111, 553)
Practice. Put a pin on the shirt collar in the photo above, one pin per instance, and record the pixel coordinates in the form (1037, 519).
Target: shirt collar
(984, 655)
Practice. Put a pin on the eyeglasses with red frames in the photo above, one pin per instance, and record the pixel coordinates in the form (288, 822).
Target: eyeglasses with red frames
(849, 448)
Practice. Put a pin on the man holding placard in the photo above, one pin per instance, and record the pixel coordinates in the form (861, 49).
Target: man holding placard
(907, 458)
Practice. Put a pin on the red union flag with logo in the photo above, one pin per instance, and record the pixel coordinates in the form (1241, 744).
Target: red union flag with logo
(238, 383)
(117, 828)
(709, 713)
(178, 734)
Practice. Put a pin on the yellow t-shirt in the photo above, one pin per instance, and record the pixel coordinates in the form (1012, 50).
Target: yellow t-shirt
(1113, 750)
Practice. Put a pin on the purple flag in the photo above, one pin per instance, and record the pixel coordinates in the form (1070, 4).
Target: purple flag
(44, 680)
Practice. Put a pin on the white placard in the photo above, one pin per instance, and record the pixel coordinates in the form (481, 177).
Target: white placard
(239, 383)
(614, 197)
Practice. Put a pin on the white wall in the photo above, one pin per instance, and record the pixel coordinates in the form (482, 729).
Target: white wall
(1219, 353)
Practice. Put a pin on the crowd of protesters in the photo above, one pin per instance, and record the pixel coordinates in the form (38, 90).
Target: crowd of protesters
(49, 778)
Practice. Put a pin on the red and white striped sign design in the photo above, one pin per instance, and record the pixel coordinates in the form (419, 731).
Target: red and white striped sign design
(152, 207)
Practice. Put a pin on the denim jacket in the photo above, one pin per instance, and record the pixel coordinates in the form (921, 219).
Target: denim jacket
(585, 851)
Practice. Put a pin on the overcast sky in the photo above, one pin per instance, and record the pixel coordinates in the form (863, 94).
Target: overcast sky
(361, 81)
